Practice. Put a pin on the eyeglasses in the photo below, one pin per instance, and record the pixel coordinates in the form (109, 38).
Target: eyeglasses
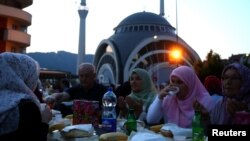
(231, 78)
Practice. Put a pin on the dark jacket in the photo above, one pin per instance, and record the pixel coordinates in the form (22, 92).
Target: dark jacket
(30, 126)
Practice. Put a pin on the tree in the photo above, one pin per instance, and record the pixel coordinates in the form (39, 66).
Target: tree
(213, 65)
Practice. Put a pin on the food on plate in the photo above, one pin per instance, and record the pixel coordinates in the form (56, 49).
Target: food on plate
(78, 131)
(57, 126)
(156, 128)
(167, 133)
(69, 116)
(75, 133)
(113, 136)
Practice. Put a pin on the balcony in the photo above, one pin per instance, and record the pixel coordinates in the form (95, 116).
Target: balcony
(17, 14)
(17, 37)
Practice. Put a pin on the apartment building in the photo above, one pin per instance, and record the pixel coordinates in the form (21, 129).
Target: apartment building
(14, 22)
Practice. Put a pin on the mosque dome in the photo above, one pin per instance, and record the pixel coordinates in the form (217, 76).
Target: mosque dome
(142, 40)
(147, 19)
(144, 18)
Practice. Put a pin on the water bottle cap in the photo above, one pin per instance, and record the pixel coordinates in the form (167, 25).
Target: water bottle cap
(110, 89)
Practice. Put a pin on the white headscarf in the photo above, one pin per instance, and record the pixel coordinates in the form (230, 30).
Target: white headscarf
(18, 77)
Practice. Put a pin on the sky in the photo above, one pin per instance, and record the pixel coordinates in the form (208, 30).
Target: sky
(218, 25)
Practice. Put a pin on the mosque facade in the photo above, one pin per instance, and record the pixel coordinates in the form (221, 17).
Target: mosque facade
(142, 40)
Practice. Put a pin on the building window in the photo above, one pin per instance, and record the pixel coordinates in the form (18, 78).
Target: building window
(13, 49)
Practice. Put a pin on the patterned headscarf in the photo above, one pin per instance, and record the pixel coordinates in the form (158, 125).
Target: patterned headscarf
(148, 92)
(245, 77)
(18, 77)
(181, 112)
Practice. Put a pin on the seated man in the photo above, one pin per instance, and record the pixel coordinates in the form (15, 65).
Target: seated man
(88, 89)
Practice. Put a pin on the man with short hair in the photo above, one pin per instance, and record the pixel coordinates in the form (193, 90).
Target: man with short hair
(88, 89)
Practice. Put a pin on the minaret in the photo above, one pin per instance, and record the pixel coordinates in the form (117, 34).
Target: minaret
(83, 11)
(162, 8)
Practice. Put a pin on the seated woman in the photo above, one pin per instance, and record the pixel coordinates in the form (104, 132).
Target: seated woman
(236, 92)
(178, 109)
(142, 95)
(21, 115)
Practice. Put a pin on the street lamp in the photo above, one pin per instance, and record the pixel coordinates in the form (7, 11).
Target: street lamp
(175, 55)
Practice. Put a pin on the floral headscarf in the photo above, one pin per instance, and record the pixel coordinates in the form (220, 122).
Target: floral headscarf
(245, 77)
(148, 92)
(18, 77)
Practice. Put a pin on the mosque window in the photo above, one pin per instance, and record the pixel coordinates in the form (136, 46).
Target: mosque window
(136, 28)
(157, 28)
(118, 30)
(141, 28)
(152, 28)
(146, 28)
(163, 29)
(126, 29)
(130, 28)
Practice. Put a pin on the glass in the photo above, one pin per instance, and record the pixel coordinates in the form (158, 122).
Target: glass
(173, 90)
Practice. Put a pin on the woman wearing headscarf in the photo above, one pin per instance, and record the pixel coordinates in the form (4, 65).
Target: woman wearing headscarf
(21, 116)
(236, 94)
(142, 94)
(178, 109)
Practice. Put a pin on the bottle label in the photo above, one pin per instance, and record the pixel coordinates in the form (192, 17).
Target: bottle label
(109, 124)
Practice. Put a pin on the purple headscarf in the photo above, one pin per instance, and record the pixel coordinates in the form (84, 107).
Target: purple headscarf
(244, 72)
(181, 112)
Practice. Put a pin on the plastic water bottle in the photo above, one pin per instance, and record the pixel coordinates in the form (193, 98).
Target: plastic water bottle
(109, 101)
(197, 128)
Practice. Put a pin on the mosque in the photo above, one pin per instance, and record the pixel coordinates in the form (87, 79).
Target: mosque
(145, 40)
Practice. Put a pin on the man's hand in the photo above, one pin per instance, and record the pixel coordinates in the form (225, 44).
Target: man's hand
(59, 97)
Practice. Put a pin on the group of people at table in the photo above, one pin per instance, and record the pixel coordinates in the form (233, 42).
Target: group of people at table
(23, 118)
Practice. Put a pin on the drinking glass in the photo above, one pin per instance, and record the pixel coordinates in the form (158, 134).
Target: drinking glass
(173, 90)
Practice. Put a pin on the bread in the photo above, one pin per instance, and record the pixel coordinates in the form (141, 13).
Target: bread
(78, 131)
(113, 136)
(75, 133)
(156, 128)
(69, 116)
(167, 133)
(58, 126)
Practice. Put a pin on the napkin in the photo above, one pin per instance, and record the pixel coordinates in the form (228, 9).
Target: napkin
(176, 130)
(79, 130)
(146, 136)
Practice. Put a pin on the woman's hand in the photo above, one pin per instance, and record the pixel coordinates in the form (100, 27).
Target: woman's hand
(136, 105)
(121, 103)
(233, 106)
(165, 91)
(205, 117)
(46, 113)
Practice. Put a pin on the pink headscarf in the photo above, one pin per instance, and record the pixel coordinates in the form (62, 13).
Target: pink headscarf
(181, 112)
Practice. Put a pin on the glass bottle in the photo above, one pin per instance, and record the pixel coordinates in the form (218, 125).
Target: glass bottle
(109, 102)
(197, 128)
(131, 123)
